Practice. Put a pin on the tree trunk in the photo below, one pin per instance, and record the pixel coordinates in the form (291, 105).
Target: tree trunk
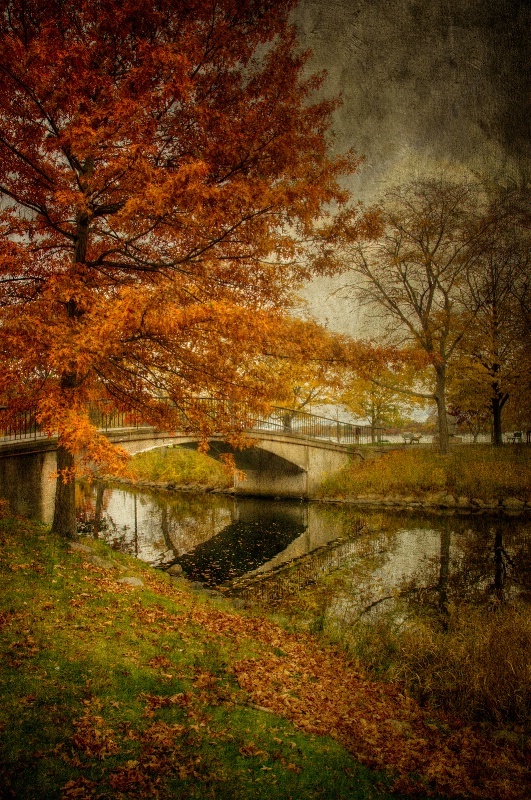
(64, 516)
(287, 420)
(497, 434)
(497, 403)
(440, 399)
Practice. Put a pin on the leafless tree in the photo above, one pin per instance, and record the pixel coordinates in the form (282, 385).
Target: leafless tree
(415, 276)
(496, 346)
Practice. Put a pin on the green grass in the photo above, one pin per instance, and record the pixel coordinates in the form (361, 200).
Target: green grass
(180, 467)
(482, 472)
(109, 691)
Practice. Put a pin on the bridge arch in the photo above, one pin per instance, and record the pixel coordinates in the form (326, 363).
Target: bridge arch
(280, 464)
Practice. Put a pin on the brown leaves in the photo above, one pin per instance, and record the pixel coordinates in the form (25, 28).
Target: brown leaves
(23, 649)
(78, 789)
(158, 701)
(160, 662)
(161, 755)
(251, 750)
(324, 694)
(92, 738)
(382, 728)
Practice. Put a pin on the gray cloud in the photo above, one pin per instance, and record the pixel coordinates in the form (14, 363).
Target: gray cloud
(426, 85)
(426, 81)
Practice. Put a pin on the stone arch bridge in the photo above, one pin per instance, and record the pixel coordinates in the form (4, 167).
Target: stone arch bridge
(291, 454)
(280, 464)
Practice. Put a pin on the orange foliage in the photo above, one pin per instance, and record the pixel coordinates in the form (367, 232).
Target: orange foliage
(165, 179)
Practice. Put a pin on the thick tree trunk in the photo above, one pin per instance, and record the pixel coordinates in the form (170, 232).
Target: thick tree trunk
(497, 433)
(440, 399)
(64, 517)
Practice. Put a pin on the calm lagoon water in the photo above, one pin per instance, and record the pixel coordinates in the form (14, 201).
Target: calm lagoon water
(218, 539)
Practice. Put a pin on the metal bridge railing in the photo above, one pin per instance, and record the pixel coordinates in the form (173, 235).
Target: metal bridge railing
(24, 425)
(313, 426)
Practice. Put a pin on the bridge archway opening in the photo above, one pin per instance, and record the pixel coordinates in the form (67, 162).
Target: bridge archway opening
(261, 471)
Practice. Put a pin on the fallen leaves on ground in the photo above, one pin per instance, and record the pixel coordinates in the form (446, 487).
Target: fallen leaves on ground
(92, 738)
(322, 693)
(318, 689)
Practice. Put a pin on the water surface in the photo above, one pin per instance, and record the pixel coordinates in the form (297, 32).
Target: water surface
(273, 547)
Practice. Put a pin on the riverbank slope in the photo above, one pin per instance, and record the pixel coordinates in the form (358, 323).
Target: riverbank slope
(469, 478)
(118, 682)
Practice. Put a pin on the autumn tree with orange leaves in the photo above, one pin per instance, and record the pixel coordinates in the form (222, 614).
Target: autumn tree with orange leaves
(165, 178)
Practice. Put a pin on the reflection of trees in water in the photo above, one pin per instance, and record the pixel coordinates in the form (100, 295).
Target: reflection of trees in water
(91, 503)
(487, 564)
(186, 520)
(444, 574)
(158, 525)
(495, 563)
(479, 561)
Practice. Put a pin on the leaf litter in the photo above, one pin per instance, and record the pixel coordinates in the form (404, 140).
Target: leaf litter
(323, 693)
(318, 689)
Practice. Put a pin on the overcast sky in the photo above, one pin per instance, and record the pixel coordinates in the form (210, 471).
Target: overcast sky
(426, 85)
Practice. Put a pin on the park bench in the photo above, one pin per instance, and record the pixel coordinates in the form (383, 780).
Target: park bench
(410, 438)
(515, 438)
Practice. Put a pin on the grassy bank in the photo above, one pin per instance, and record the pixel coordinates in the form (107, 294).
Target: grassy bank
(482, 472)
(467, 659)
(173, 465)
(110, 690)
(115, 690)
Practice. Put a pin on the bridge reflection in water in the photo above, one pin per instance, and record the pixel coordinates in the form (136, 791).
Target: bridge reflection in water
(268, 550)
(215, 538)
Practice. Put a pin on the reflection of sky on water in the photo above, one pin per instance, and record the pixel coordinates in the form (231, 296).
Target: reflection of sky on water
(218, 537)
(410, 552)
(480, 560)
(398, 558)
(156, 529)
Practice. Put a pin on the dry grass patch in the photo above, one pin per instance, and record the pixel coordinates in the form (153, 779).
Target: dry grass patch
(477, 471)
(181, 467)
(479, 668)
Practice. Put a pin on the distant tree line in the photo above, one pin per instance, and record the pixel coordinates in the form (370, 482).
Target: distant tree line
(448, 276)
